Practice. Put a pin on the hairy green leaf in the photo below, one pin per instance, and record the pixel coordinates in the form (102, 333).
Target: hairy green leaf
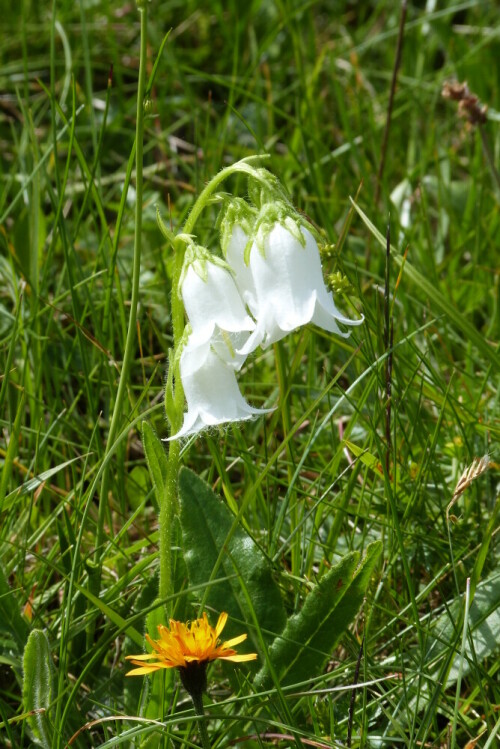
(306, 643)
(220, 554)
(38, 687)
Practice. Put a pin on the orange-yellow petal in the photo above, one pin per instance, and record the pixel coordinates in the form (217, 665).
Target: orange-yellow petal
(180, 644)
(234, 641)
(221, 623)
(142, 671)
(238, 658)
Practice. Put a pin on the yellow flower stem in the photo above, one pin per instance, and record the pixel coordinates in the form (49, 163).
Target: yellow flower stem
(197, 698)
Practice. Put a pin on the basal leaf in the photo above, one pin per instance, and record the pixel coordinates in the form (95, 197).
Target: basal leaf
(242, 583)
(301, 651)
(443, 661)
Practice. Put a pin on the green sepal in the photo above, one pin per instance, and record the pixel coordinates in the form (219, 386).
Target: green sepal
(235, 212)
(198, 256)
(167, 233)
(264, 188)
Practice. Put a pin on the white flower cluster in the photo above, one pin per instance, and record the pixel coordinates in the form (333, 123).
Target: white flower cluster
(269, 284)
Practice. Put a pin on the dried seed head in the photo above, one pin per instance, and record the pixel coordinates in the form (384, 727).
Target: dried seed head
(471, 473)
(469, 106)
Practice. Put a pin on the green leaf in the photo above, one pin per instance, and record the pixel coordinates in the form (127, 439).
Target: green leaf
(11, 451)
(220, 554)
(137, 486)
(36, 481)
(305, 645)
(11, 620)
(38, 687)
(443, 660)
(110, 613)
(484, 626)
(137, 691)
(436, 297)
(365, 457)
(160, 685)
(156, 460)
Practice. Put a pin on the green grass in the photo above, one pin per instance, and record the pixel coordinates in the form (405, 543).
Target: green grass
(308, 84)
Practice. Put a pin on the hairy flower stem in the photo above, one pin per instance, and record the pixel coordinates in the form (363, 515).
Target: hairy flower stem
(242, 166)
(131, 331)
(174, 410)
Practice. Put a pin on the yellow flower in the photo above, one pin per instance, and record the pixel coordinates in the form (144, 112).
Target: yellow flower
(181, 645)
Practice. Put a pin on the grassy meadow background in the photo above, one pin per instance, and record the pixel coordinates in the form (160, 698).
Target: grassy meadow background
(337, 465)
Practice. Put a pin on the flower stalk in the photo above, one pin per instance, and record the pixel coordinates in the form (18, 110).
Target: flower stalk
(244, 166)
(175, 391)
(197, 699)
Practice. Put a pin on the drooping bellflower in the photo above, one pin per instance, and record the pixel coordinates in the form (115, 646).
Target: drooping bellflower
(278, 272)
(211, 390)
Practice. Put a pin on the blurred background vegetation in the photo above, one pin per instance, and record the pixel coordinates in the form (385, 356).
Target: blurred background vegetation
(309, 84)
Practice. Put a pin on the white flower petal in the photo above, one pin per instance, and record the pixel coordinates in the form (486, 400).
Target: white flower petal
(226, 345)
(235, 256)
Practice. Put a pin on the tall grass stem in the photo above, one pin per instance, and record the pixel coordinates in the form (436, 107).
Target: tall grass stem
(131, 330)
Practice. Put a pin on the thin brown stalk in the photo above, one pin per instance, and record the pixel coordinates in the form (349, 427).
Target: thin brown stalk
(397, 62)
(353, 694)
(388, 342)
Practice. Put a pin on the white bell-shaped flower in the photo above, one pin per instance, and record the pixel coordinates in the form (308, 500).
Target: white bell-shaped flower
(211, 298)
(211, 391)
(289, 287)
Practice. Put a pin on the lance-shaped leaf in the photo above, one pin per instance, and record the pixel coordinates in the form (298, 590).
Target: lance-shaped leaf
(301, 651)
(234, 574)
